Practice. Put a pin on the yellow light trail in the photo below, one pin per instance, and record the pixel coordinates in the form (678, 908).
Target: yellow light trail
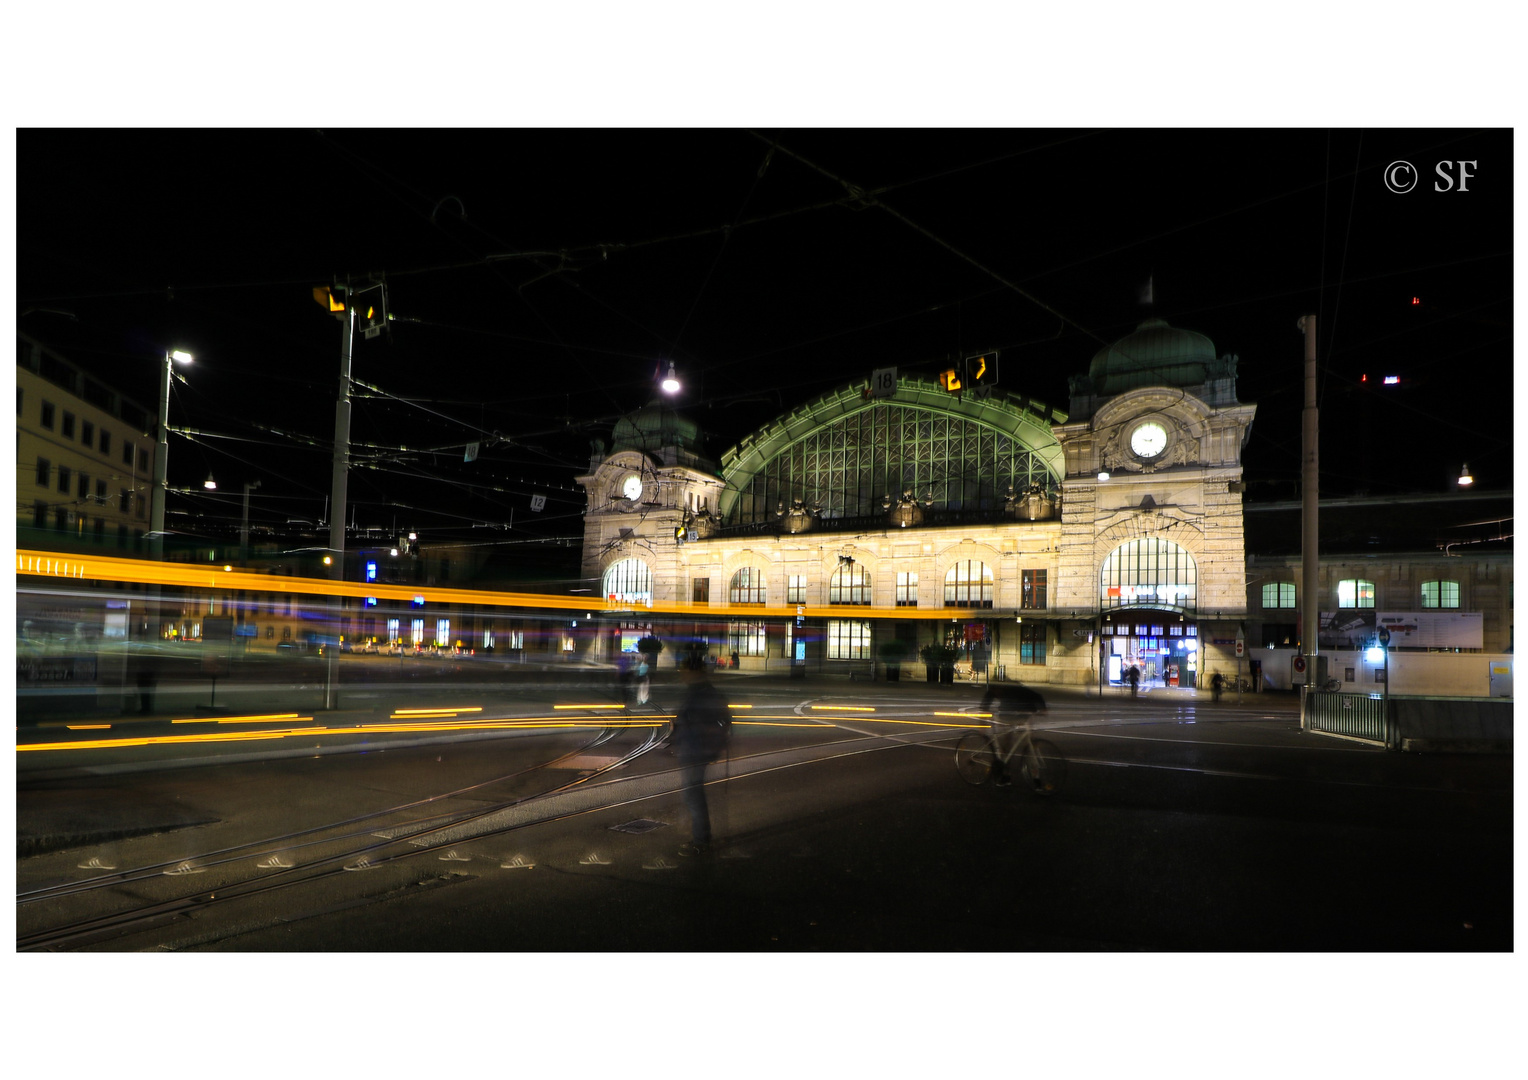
(64, 566)
(238, 719)
(443, 708)
(844, 708)
(88, 727)
(610, 706)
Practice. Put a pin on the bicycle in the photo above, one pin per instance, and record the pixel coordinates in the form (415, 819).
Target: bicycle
(1041, 765)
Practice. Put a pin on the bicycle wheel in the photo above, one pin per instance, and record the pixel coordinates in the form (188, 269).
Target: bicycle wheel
(1044, 767)
(975, 755)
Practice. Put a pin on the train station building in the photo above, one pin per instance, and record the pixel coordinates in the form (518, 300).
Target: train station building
(889, 521)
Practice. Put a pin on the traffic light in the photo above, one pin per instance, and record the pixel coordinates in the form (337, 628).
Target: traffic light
(981, 371)
(331, 298)
(371, 309)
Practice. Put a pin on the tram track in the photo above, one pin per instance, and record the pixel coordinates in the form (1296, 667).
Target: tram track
(393, 846)
(282, 875)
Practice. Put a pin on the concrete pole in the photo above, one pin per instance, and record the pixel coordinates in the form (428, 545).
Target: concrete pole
(1310, 489)
(337, 498)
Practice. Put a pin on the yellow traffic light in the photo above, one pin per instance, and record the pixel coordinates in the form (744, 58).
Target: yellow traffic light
(324, 294)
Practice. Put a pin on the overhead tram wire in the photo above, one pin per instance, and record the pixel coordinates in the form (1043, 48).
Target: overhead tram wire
(859, 193)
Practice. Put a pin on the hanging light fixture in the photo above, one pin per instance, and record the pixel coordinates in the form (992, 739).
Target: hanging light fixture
(670, 382)
(1465, 479)
(210, 484)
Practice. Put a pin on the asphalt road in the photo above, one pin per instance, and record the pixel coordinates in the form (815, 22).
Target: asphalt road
(1183, 827)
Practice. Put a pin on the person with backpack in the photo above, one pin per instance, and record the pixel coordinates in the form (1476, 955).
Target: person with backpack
(702, 727)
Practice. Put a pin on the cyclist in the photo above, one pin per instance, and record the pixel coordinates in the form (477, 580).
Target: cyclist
(1006, 704)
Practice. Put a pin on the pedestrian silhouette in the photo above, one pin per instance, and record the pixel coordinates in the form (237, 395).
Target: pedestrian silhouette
(702, 727)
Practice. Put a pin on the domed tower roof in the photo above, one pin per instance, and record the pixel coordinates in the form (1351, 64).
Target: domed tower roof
(659, 431)
(1155, 354)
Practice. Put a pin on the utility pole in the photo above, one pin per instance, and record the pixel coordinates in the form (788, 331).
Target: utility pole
(337, 497)
(1310, 554)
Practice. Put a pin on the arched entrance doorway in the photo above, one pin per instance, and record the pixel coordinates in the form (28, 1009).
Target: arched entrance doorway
(1148, 604)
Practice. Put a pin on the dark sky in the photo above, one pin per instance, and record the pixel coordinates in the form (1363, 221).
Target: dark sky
(541, 276)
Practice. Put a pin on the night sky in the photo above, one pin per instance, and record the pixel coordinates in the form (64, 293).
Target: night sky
(540, 278)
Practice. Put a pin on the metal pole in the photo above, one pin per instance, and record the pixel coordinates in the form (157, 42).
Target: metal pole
(1310, 558)
(337, 496)
(161, 460)
(244, 524)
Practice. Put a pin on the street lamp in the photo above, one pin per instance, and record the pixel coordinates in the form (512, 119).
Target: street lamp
(162, 451)
(1465, 479)
(670, 382)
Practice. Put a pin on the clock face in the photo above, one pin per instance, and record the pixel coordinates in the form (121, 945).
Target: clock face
(1148, 440)
(631, 487)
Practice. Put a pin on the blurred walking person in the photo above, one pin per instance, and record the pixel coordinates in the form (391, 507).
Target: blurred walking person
(702, 727)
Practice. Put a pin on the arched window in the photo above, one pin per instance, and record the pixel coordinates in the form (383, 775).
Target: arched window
(1150, 572)
(850, 584)
(747, 586)
(968, 584)
(628, 582)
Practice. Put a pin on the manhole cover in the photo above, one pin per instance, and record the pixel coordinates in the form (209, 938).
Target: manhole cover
(641, 825)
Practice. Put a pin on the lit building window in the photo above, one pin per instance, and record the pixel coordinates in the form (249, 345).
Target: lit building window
(1355, 593)
(746, 638)
(443, 632)
(629, 582)
(848, 639)
(747, 587)
(1032, 643)
(795, 589)
(416, 632)
(907, 589)
(850, 584)
(1440, 594)
(1033, 589)
(968, 584)
(1279, 594)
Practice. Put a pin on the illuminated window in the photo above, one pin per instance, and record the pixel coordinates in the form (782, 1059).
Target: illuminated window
(416, 632)
(700, 590)
(848, 639)
(968, 584)
(1033, 589)
(628, 582)
(850, 584)
(907, 590)
(747, 586)
(795, 589)
(746, 638)
(1440, 594)
(1355, 593)
(1149, 572)
(443, 632)
(1032, 643)
(1279, 594)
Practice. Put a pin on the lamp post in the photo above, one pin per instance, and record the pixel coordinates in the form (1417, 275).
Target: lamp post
(162, 451)
(244, 522)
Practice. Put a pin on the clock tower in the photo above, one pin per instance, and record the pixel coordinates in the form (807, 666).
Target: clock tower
(1152, 541)
(647, 495)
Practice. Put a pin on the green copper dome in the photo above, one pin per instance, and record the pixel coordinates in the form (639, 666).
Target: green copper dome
(1155, 354)
(654, 427)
